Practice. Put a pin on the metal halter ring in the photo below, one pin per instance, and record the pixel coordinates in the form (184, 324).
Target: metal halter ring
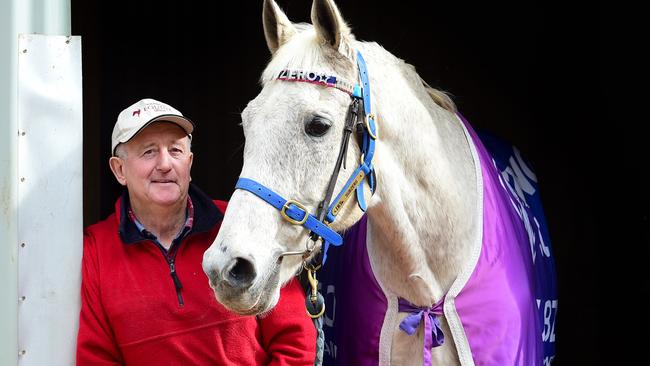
(313, 297)
(371, 133)
(309, 249)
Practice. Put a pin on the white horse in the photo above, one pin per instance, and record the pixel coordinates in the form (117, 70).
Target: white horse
(425, 216)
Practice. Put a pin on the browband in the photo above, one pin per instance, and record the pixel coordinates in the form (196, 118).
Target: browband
(316, 78)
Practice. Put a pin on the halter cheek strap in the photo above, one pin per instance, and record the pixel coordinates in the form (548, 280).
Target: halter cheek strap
(366, 168)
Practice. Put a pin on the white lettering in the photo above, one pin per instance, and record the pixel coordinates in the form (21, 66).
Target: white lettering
(330, 349)
(548, 360)
(546, 251)
(508, 175)
(524, 167)
(547, 321)
(519, 204)
(549, 315)
(554, 306)
(520, 183)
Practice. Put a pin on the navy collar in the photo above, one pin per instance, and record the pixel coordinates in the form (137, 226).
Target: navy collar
(206, 216)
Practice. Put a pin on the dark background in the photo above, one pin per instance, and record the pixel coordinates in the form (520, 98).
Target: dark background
(536, 73)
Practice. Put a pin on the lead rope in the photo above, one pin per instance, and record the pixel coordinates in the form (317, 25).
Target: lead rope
(315, 304)
(320, 341)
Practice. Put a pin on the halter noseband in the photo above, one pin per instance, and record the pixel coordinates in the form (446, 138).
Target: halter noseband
(359, 115)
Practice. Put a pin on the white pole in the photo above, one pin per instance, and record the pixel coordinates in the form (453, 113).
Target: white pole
(8, 187)
(40, 213)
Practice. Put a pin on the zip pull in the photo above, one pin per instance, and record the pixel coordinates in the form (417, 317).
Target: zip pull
(177, 282)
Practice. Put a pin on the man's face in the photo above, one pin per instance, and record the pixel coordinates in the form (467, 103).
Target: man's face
(156, 168)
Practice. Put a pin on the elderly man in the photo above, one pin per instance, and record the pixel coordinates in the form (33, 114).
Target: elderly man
(145, 298)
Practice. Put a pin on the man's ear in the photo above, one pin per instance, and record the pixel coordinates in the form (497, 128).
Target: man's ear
(191, 161)
(117, 167)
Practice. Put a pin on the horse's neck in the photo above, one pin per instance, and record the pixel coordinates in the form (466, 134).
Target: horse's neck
(425, 210)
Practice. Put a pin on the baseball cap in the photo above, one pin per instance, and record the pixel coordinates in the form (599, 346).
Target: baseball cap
(143, 113)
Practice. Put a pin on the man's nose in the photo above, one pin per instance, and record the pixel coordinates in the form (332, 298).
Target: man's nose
(164, 160)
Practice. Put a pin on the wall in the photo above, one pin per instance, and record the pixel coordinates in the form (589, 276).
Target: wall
(40, 183)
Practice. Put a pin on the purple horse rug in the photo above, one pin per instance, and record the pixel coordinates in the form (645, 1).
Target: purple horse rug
(501, 309)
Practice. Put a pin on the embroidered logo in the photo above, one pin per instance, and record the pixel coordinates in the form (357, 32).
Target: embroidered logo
(156, 107)
(136, 112)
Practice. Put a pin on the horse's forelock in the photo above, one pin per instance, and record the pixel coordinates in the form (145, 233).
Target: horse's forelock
(303, 52)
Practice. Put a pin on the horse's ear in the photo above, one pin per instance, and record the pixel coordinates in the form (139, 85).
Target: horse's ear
(328, 22)
(277, 27)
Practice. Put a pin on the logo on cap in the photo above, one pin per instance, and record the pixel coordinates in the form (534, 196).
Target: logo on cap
(136, 112)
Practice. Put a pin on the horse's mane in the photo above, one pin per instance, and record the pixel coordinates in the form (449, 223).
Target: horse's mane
(304, 52)
(440, 97)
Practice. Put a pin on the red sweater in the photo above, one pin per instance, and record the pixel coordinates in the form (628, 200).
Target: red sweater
(131, 312)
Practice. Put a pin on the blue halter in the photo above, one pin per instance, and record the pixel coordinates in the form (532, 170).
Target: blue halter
(296, 213)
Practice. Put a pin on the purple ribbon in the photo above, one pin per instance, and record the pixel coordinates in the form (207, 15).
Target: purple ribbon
(433, 336)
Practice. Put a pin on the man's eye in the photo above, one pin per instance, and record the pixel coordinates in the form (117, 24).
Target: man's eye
(317, 127)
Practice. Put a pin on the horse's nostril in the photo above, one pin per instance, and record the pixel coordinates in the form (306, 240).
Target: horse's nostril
(241, 274)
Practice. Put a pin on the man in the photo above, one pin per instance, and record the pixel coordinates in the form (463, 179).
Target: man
(145, 298)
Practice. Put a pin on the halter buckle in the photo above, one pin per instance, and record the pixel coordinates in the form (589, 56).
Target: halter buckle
(285, 207)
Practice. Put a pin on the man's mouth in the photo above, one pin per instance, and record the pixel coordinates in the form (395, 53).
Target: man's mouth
(163, 181)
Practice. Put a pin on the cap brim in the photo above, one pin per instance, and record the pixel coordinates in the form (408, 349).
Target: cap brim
(181, 121)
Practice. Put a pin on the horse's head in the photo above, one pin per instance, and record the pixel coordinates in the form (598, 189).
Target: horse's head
(294, 131)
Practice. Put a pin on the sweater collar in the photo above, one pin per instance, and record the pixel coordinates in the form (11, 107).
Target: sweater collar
(206, 215)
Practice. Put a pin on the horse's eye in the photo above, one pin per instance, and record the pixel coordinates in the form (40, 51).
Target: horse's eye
(317, 127)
